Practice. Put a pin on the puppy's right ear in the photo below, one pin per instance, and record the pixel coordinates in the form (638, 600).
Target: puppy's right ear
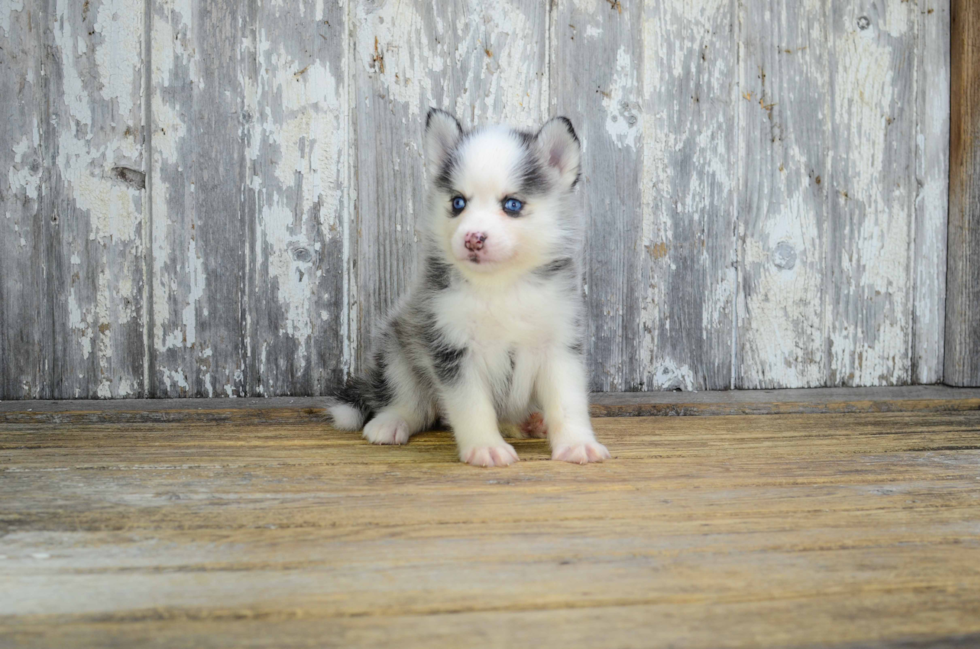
(442, 133)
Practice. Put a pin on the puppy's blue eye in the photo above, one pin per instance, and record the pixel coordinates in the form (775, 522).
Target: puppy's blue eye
(513, 206)
(459, 203)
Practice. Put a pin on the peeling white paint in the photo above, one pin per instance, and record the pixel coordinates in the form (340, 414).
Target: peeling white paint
(484, 61)
(299, 205)
(119, 24)
(781, 319)
(391, 44)
(670, 375)
(623, 112)
(174, 378)
(10, 6)
(80, 323)
(869, 342)
(688, 187)
(172, 33)
(25, 174)
(105, 118)
(498, 46)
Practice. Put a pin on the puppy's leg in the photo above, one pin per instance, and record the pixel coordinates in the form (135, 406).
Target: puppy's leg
(562, 390)
(469, 408)
(408, 410)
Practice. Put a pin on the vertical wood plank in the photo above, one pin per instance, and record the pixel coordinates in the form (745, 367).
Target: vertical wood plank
(201, 204)
(482, 59)
(25, 319)
(300, 156)
(598, 59)
(962, 358)
(94, 204)
(785, 139)
(690, 81)
(872, 191)
(932, 191)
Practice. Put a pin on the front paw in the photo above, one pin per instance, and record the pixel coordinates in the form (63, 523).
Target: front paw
(580, 453)
(502, 455)
(385, 429)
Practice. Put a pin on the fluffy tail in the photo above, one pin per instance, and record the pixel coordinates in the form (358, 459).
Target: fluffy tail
(348, 407)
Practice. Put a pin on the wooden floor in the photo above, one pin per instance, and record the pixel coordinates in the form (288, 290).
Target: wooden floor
(784, 530)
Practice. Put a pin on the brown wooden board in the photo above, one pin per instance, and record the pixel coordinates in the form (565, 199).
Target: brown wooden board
(962, 365)
(613, 404)
(832, 530)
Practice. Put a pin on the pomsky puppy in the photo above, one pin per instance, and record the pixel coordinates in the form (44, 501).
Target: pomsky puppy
(491, 335)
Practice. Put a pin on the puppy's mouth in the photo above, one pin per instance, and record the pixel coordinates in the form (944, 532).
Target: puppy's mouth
(479, 263)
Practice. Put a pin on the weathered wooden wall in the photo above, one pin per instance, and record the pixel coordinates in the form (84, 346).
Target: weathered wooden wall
(219, 198)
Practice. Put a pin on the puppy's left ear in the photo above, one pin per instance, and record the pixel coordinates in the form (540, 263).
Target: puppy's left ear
(561, 150)
(442, 133)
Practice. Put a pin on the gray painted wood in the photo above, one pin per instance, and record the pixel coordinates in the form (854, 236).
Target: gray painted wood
(932, 197)
(202, 210)
(872, 191)
(78, 160)
(25, 319)
(764, 186)
(690, 85)
(962, 358)
(96, 196)
(598, 85)
(786, 134)
(299, 154)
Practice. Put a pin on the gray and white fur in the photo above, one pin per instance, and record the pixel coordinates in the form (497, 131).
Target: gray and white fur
(490, 336)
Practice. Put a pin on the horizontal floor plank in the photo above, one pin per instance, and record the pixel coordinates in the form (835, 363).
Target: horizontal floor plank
(804, 530)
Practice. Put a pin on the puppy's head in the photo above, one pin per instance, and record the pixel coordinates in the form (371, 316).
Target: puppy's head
(500, 200)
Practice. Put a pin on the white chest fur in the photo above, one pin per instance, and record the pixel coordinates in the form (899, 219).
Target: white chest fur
(526, 315)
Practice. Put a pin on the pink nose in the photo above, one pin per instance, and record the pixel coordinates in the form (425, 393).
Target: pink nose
(474, 241)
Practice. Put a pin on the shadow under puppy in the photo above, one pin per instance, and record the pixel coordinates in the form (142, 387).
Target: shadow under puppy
(490, 335)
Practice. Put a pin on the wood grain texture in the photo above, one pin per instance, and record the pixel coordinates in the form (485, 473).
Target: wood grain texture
(72, 293)
(201, 209)
(840, 272)
(872, 192)
(780, 531)
(485, 61)
(25, 318)
(95, 268)
(690, 85)
(932, 197)
(299, 153)
(962, 358)
(786, 135)
(597, 84)
(207, 199)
